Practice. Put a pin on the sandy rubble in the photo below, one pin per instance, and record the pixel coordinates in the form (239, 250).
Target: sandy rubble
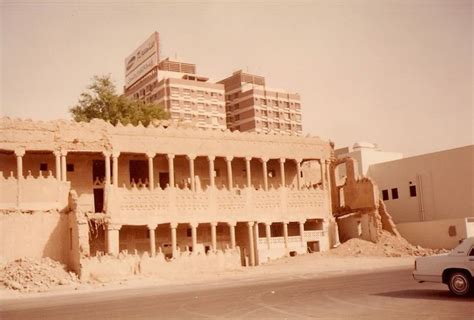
(387, 246)
(35, 275)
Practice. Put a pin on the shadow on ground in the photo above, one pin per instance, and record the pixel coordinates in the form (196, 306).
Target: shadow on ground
(425, 294)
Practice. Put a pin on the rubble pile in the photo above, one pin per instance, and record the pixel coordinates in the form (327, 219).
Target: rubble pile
(35, 275)
(388, 245)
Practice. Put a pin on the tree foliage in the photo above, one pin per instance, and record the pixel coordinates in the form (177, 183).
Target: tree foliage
(101, 101)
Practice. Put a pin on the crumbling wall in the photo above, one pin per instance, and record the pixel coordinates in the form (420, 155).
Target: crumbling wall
(386, 220)
(34, 234)
(362, 215)
(105, 268)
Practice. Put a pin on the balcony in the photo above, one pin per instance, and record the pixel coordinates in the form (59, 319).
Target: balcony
(143, 206)
(33, 193)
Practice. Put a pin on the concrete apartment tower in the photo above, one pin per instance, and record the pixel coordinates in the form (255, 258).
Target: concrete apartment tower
(252, 106)
(188, 97)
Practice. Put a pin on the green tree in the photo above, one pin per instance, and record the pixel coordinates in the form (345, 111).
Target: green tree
(101, 101)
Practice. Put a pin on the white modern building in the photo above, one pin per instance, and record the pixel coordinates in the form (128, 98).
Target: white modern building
(430, 196)
(366, 154)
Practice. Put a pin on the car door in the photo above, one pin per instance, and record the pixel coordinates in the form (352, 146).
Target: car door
(470, 261)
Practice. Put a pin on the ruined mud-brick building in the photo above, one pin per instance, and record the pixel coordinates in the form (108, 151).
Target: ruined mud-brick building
(78, 191)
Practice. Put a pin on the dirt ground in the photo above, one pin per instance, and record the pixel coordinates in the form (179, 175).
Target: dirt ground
(304, 265)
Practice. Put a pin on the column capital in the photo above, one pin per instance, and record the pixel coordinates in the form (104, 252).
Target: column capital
(302, 221)
(151, 226)
(150, 154)
(63, 152)
(285, 222)
(191, 156)
(114, 226)
(194, 224)
(19, 152)
(232, 224)
(229, 158)
(248, 158)
(250, 223)
(106, 153)
(173, 225)
(268, 223)
(282, 160)
(170, 156)
(298, 160)
(57, 153)
(264, 160)
(211, 157)
(115, 154)
(213, 224)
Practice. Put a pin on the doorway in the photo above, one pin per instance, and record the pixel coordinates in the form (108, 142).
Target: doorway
(313, 246)
(164, 179)
(98, 200)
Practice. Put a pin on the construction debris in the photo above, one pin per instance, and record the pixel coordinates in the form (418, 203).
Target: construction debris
(388, 245)
(35, 275)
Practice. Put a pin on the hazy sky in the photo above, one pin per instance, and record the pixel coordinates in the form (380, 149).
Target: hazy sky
(394, 72)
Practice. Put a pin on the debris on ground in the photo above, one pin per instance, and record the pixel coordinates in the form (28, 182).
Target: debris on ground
(388, 245)
(35, 275)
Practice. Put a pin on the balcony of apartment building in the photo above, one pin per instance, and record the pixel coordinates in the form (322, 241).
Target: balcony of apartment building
(32, 180)
(157, 188)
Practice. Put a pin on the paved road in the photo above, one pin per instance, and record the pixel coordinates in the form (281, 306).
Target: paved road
(380, 295)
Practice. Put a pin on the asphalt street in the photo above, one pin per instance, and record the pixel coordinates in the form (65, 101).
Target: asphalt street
(378, 295)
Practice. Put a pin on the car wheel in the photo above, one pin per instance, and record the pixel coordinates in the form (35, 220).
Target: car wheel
(459, 283)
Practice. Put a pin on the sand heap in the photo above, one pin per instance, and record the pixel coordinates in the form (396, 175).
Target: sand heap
(387, 246)
(30, 275)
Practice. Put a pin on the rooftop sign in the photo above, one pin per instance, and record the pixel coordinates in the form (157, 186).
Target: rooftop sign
(142, 60)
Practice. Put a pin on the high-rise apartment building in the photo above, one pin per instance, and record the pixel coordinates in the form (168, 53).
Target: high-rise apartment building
(188, 97)
(252, 106)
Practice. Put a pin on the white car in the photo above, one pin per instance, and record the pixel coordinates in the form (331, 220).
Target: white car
(456, 269)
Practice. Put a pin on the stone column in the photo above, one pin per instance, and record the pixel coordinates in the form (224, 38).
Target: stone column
(115, 157)
(113, 239)
(302, 232)
(170, 158)
(19, 153)
(232, 234)
(256, 235)
(151, 230)
(251, 245)
(57, 162)
(174, 251)
(151, 175)
(194, 226)
(229, 172)
(298, 173)
(214, 236)
(268, 233)
(323, 183)
(285, 233)
(282, 172)
(265, 173)
(191, 171)
(107, 167)
(212, 181)
(63, 165)
(247, 169)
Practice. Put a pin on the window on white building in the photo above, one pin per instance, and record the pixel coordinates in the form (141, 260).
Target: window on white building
(394, 193)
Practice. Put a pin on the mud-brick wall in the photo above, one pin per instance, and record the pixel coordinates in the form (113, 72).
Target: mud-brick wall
(35, 235)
